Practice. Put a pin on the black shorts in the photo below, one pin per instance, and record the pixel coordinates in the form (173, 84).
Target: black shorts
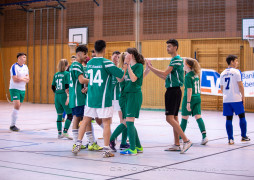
(78, 111)
(173, 98)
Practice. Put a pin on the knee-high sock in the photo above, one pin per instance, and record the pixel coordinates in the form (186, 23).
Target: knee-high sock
(137, 139)
(243, 126)
(75, 135)
(229, 127)
(67, 125)
(90, 138)
(59, 123)
(14, 117)
(93, 133)
(183, 125)
(201, 126)
(120, 128)
(124, 137)
(132, 135)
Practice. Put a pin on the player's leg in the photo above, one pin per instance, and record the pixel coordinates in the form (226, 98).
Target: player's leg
(78, 113)
(228, 112)
(17, 98)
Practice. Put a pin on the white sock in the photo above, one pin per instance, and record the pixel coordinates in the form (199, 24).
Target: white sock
(89, 136)
(106, 147)
(75, 135)
(14, 117)
(93, 132)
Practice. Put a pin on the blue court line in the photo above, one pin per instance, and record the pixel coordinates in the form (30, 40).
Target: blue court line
(42, 172)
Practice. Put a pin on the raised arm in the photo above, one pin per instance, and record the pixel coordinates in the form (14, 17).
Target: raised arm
(160, 73)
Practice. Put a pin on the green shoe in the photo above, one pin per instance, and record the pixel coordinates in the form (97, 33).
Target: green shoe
(83, 146)
(94, 147)
(139, 150)
(129, 152)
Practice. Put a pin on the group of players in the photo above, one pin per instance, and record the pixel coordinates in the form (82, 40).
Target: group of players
(94, 89)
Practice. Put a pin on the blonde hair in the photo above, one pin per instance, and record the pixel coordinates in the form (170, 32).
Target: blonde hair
(194, 65)
(62, 65)
(121, 59)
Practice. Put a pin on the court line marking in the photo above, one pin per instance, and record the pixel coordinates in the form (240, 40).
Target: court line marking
(181, 162)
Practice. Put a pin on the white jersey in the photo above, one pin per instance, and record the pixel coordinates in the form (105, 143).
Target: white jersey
(19, 71)
(229, 79)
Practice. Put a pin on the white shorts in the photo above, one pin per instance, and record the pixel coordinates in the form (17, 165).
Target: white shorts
(99, 112)
(115, 104)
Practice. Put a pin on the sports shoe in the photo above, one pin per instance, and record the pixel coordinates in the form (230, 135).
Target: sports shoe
(60, 136)
(129, 152)
(14, 128)
(94, 147)
(204, 141)
(107, 154)
(186, 146)
(124, 146)
(231, 142)
(139, 150)
(173, 148)
(66, 135)
(63, 119)
(112, 145)
(84, 146)
(76, 148)
(245, 138)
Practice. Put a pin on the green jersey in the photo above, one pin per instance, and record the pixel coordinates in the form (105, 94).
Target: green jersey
(175, 78)
(134, 86)
(60, 79)
(77, 98)
(116, 88)
(192, 81)
(100, 72)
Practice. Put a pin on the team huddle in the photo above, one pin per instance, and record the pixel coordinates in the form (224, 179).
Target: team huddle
(94, 89)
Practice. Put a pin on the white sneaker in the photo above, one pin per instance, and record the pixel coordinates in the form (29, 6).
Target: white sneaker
(66, 135)
(186, 146)
(60, 136)
(173, 148)
(76, 148)
(204, 141)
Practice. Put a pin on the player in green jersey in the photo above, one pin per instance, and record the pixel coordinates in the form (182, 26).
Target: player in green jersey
(59, 86)
(173, 77)
(191, 104)
(99, 94)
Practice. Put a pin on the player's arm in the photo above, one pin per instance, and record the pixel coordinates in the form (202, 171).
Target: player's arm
(146, 71)
(189, 93)
(82, 79)
(241, 89)
(221, 88)
(18, 79)
(160, 73)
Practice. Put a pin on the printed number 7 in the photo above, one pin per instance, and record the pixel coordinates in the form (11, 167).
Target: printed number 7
(228, 81)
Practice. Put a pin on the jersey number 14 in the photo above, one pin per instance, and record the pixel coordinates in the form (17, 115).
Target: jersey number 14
(96, 79)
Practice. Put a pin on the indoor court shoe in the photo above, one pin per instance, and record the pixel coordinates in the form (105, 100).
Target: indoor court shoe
(84, 146)
(76, 149)
(124, 146)
(173, 148)
(204, 141)
(107, 154)
(60, 136)
(112, 145)
(245, 138)
(14, 128)
(139, 150)
(66, 135)
(231, 142)
(186, 146)
(94, 147)
(129, 152)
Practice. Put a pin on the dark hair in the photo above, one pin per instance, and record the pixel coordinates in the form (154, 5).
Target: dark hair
(82, 48)
(173, 42)
(116, 52)
(99, 45)
(20, 54)
(73, 56)
(138, 57)
(92, 51)
(231, 58)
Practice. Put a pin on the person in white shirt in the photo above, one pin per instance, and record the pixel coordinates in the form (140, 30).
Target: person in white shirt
(19, 77)
(233, 98)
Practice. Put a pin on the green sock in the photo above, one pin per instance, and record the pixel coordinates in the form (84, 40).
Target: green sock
(132, 134)
(124, 137)
(67, 125)
(201, 126)
(117, 131)
(183, 125)
(59, 123)
(137, 139)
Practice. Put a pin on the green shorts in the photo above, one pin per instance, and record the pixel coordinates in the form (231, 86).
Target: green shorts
(195, 106)
(133, 104)
(122, 104)
(17, 94)
(60, 106)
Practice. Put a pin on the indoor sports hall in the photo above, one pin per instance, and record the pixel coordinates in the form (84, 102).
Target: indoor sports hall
(44, 32)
